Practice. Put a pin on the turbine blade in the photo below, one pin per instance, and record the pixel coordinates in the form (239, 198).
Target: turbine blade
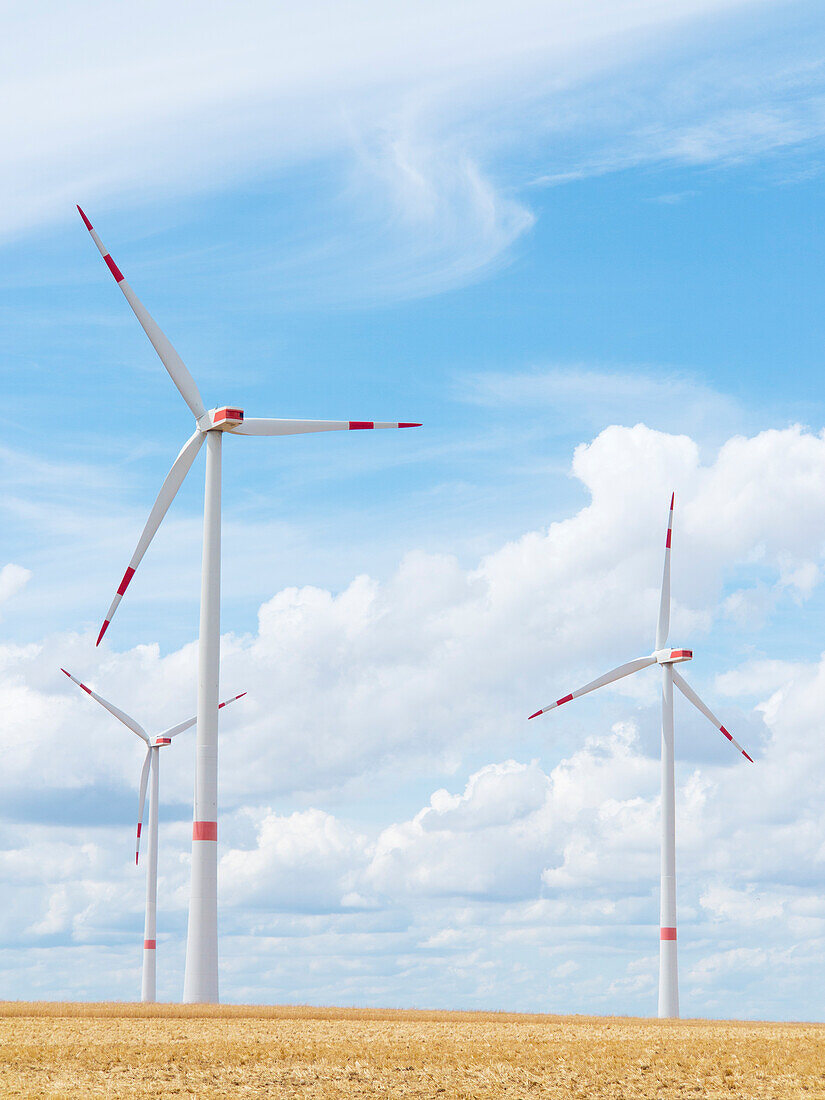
(178, 371)
(692, 697)
(181, 727)
(259, 426)
(173, 482)
(144, 779)
(134, 726)
(663, 625)
(234, 699)
(608, 678)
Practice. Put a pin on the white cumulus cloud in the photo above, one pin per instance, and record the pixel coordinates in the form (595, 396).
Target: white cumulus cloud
(386, 806)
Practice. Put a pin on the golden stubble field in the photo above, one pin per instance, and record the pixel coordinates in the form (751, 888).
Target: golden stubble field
(116, 1050)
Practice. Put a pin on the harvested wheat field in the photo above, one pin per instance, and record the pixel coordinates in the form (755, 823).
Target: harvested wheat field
(115, 1050)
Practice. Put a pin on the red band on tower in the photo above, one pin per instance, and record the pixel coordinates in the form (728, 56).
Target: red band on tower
(204, 830)
(667, 933)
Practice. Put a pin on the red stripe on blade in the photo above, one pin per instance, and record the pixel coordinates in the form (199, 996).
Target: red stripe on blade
(672, 498)
(356, 425)
(234, 699)
(127, 577)
(112, 266)
(723, 730)
(667, 933)
(405, 425)
(566, 699)
(204, 830)
(103, 630)
(139, 827)
(149, 945)
(538, 712)
(667, 541)
(86, 221)
(87, 690)
(746, 756)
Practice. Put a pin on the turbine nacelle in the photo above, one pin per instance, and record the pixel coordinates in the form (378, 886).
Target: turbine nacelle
(224, 419)
(158, 742)
(672, 656)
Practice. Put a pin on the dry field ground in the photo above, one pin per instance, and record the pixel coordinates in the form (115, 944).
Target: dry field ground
(131, 1051)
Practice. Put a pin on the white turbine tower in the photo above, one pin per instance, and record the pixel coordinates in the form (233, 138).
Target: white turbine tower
(201, 980)
(151, 765)
(667, 658)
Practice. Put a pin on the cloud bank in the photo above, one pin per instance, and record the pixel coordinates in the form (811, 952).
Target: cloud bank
(523, 873)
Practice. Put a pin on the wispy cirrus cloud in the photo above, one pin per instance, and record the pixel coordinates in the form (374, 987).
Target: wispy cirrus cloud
(703, 112)
(385, 108)
(12, 579)
(575, 398)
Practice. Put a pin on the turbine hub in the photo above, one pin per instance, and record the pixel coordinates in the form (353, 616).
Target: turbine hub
(673, 656)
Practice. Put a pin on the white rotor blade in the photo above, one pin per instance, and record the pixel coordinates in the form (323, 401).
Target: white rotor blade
(178, 371)
(144, 779)
(181, 727)
(691, 695)
(173, 482)
(130, 723)
(608, 678)
(663, 625)
(258, 426)
(173, 731)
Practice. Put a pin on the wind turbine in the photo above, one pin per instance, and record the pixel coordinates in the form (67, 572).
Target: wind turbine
(151, 765)
(201, 978)
(667, 658)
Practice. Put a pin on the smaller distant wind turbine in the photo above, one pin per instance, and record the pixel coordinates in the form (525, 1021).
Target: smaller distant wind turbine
(150, 765)
(667, 658)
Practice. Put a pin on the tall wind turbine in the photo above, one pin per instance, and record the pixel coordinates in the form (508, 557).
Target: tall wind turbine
(667, 658)
(201, 979)
(151, 765)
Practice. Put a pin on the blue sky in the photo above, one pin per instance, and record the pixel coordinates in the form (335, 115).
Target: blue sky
(582, 246)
